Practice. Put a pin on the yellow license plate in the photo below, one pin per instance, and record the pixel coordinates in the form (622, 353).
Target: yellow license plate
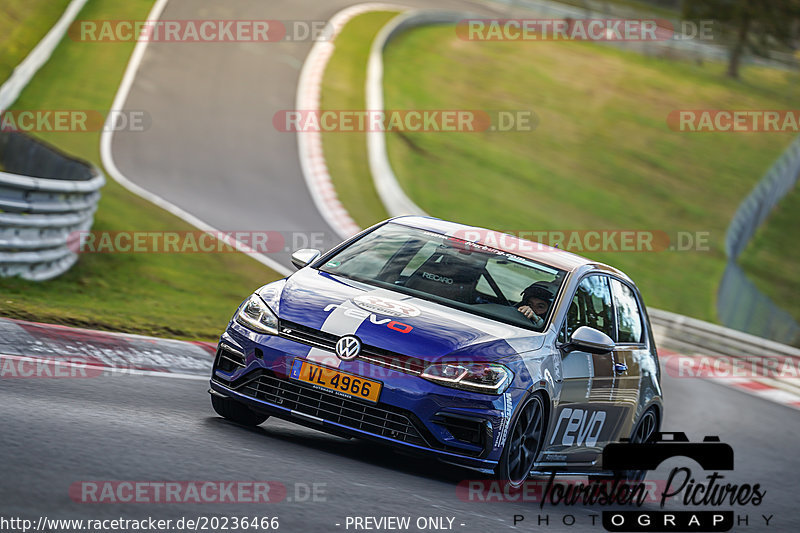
(334, 380)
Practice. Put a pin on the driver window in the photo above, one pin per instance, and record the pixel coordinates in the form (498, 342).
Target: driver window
(629, 318)
(591, 306)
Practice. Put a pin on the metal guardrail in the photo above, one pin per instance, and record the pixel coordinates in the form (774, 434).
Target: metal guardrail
(740, 305)
(692, 336)
(754, 210)
(45, 197)
(44, 194)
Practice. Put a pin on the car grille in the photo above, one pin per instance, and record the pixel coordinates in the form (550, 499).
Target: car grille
(369, 354)
(304, 399)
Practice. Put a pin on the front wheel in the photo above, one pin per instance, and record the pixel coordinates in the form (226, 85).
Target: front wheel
(236, 412)
(523, 444)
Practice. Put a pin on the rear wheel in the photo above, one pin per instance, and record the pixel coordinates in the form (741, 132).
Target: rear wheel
(236, 412)
(644, 432)
(523, 444)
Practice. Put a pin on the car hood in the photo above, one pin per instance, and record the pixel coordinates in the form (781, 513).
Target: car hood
(393, 321)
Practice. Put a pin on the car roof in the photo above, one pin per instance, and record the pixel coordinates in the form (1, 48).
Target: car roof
(505, 242)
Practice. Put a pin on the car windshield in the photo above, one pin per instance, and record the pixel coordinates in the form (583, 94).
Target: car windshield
(451, 271)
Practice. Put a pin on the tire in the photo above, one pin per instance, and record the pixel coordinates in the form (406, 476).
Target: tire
(644, 431)
(236, 412)
(524, 443)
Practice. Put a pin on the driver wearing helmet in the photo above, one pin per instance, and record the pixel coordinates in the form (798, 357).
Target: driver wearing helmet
(536, 301)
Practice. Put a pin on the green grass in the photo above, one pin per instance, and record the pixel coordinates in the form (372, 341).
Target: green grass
(602, 156)
(771, 258)
(346, 152)
(176, 295)
(23, 23)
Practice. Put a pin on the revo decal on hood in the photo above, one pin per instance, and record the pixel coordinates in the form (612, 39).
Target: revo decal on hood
(363, 315)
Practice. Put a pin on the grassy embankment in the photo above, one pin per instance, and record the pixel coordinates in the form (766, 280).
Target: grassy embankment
(602, 156)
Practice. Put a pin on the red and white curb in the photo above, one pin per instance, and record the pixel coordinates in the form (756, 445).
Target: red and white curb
(778, 383)
(312, 158)
(35, 350)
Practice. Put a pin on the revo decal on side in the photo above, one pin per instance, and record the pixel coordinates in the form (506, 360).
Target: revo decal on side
(373, 318)
(581, 427)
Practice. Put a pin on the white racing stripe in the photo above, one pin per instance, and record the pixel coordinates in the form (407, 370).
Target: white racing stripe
(337, 323)
(323, 357)
(340, 323)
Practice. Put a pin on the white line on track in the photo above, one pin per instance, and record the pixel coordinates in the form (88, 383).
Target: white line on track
(111, 167)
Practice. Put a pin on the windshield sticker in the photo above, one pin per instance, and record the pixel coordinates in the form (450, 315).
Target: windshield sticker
(385, 306)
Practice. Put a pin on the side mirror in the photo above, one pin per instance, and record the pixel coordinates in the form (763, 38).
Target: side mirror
(304, 257)
(589, 340)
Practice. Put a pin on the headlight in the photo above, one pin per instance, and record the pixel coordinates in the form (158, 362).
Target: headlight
(256, 315)
(475, 377)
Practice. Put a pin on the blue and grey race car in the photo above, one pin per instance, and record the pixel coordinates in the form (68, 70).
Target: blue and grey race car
(474, 346)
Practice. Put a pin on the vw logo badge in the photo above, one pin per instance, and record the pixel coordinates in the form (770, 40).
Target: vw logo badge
(348, 348)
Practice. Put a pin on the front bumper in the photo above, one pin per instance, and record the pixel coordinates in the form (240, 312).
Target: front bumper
(412, 413)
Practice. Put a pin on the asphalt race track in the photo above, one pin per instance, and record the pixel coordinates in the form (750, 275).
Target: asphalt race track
(211, 148)
(141, 428)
